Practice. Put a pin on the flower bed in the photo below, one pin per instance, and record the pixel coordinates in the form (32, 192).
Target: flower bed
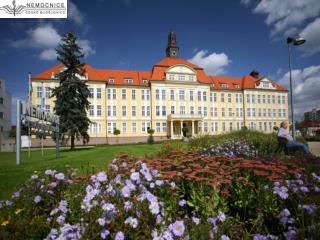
(182, 196)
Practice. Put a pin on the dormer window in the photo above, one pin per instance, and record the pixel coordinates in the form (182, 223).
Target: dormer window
(224, 85)
(128, 81)
(237, 86)
(182, 77)
(191, 78)
(265, 84)
(171, 77)
(213, 85)
(111, 80)
(145, 81)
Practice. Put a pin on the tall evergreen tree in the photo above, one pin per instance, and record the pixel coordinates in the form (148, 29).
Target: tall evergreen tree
(72, 94)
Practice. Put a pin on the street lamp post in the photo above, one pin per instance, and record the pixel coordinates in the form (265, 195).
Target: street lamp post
(296, 41)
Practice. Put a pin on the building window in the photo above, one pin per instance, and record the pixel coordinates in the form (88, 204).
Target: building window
(264, 112)
(157, 94)
(157, 110)
(230, 112)
(199, 110)
(182, 110)
(229, 98)
(124, 111)
(133, 111)
(223, 126)
(148, 94)
(230, 126)
(283, 100)
(273, 99)
(191, 95)
(181, 95)
(158, 127)
(142, 95)
(253, 98)
(253, 112)
(114, 94)
(164, 127)
(47, 108)
(164, 112)
(172, 95)
(91, 95)
(99, 110)
(48, 92)
(145, 81)
(133, 94)
(148, 111)
(204, 96)
(214, 97)
(191, 110)
(237, 98)
(224, 85)
(114, 108)
(223, 114)
(284, 113)
(240, 98)
(237, 86)
(163, 93)
(171, 77)
(124, 94)
(124, 128)
(133, 127)
(172, 109)
(265, 84)
(111, 80)
(128, 81)
(39, 92)
(279, 100)
(98, 93)
(96, 128)
(205, 112)
(205, 127)
(269, 99)
(238, 125)
(111, 127)
(259, 112)
(143, 111)
(249, 112)
(263, 98)
(109, 111)
(182, 77)
(222, 97)
(248, 98)
(91, 110)
(216, 112)
(259, 99)
(199, 96)
(108, 94)
(269, 112)
(274, 113)
(1, 100)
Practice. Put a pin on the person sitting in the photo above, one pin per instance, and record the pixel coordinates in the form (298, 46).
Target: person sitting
(290, 143)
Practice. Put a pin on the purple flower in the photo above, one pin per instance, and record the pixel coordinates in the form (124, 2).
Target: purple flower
(63, 206)
(182, 202)
(104, 234)
(133, 222)
(52, 185)
(177, 228)
(135, 176)
(154, 208)
(127, 205)
(221, 216)
(119, 236)
(125, 191)
(259, 237)
(60, 219)
(196, 220)
(37, 199)
(282, 192)
(291, 234)
(285, 213)
(101, 221)
(59, 176)
(172, 185)
(225, 237)
(102, 177)
(159, 182)
(33, 177)
(304, 189)
(152, 185)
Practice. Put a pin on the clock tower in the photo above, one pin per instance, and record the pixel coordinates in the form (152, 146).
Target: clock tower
(172, 49)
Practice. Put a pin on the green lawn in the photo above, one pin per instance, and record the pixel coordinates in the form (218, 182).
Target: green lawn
(85, 160)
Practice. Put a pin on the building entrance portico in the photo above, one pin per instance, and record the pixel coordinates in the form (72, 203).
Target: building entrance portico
(189, 121)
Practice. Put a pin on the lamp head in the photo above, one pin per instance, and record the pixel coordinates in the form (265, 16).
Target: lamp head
(297, 40)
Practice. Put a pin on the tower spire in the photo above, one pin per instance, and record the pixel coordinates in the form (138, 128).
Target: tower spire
(172, 49)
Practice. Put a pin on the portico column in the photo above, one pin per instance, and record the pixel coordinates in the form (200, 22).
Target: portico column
(181, 126)
(171, 128)
(192, 128)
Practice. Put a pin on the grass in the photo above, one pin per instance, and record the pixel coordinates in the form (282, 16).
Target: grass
(86, 161)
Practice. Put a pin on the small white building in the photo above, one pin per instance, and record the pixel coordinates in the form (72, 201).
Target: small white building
(5, 112)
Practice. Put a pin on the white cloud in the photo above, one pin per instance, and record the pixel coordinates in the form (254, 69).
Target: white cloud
(48, 54)
(46, 38)
(74, 14)
(213, 63)
(311, 33)
(306, 85)
(290, 17)
(245, 2)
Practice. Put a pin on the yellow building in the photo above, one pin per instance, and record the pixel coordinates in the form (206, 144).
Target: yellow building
(173, 95)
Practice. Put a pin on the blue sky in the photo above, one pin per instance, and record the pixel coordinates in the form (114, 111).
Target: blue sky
(228, 38)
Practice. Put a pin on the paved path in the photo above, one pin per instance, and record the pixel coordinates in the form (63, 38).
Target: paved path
(314, 148)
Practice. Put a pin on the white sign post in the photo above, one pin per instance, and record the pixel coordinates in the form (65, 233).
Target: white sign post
(28, 114)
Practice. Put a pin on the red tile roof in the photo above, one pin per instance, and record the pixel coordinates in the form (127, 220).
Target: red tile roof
(158, 74)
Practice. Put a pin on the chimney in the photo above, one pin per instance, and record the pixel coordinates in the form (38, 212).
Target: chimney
(254, 74)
